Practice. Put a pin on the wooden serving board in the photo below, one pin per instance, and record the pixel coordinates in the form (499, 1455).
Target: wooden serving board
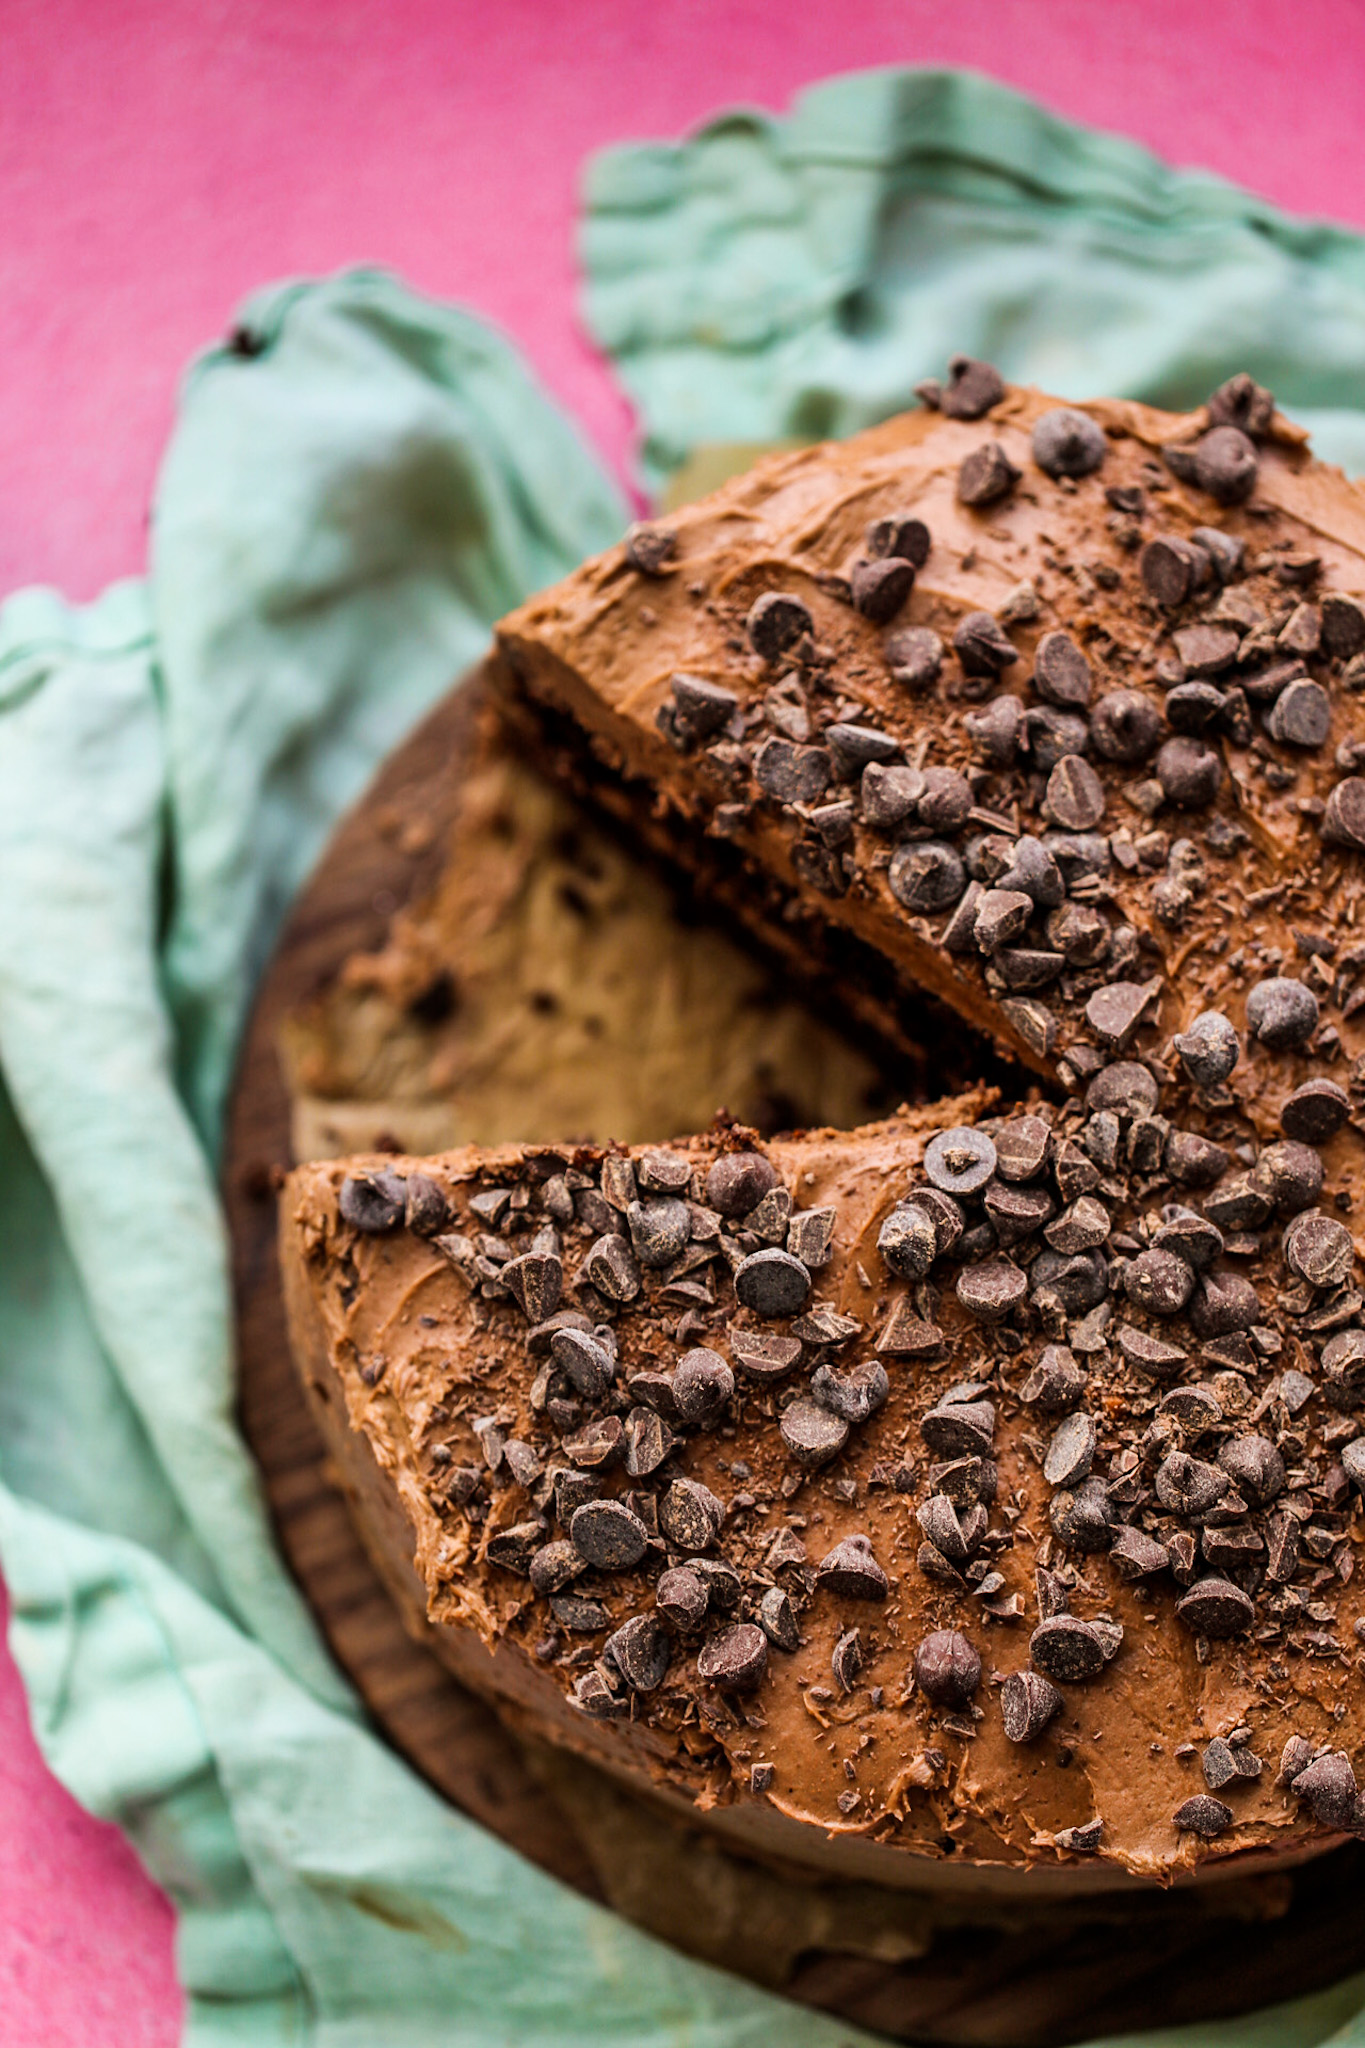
(890, 1962)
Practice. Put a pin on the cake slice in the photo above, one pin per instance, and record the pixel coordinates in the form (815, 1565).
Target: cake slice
(957, 1501)
(1041, 713)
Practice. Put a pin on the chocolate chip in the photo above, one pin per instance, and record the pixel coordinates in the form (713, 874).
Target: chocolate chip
(853, 746)
(1027, 1703)
(426, 1210)
(890, 795)
(1193, 707)
(973, 387)
(982, 646)
(879, 588)
(813, 1434)
(847, 1660)
(946, 800)
(1016, 1212)
(554, 1566)
(1188, 1486)
(776, 622)
(763, 1354)
(914, 656)
(738, 1181)
(1222, 1303)
(1203, 1815)
(986, 475)
(1193, 1160)
(1315, 1112)
(1081, 1841)
(681, 1596)
(535, 1281)
(1343, 625)
(608, 1535)
(1158, 1281)
(1035, 867)
(611, 1268)
(1282, 1013)
(907, 1242)
(947, 1669)
(1078, 1283)
(958, 1429)
(702, 1385)
(1075, 795)
(1343, 821)
(648, 1440)
(1115, 1011)
(651, 549)
(792, 774)
(1068, 443)
(1292, 1174)
(373, 1202)
(1190, 772)
(1171, 568)
(700, 707)
(1215, 1607)
(1225, 465)
(1125, 727)
(1255, 1468)
(1081, 1516)
(689, 1515)
(777, 1619)
(1061, 673)
(1210, 1049)
(1319, 1249)
(641, 1649)
(588, 1363)
(735, 1660)
(1124, 1087)
(900, 534)
(659, 1229)
(926, 876)
(960, 1161)
(1329, 1786)
(1225, 1764)
(1049, 735)
(992, 1290)
(1135, 1555)
(994, 732)
(1001, 915)
(1072, 1451)
(772, 1283)
(851, 1571)
(856, 1395)
(1067, 1649)
(1302, 631)
(1205, 650)
(1056, 1381)
(1301, 715)
(1191, 1237)
(951, 1535)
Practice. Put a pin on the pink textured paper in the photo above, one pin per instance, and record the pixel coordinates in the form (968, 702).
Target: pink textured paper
(160, 158)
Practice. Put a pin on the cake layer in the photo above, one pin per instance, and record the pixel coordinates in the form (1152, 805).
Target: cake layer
(1046, 714)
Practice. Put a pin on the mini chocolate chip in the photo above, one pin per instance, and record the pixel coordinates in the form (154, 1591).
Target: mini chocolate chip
(914, 656)
(608, 1535)
(373, 1202)
(926, 876)
(772, 1283)
(1158, 1281)
(738, 1181)
(1226, 551)
(1319, 1249)
(1329, 1786)
(649, 1442)
(1075, 795)
(973, 387)
(689, 1515)
(813, 1434)
(1215, 1607)
(855, 1395)
(960, 1161)
(890, 795)
(880, 587)
(1210, 1049)
(700, 707)
(992, 1290)
(1125, 727)
(1343, 822)
(1135, 1555)
(1301, 715)
(735, 1660)
(901, 534)
(851, 1571)
(588, 1363)
(1315, 1112)
(982, 646)
(1282, 1013)
(1190, 772)
(641, 1649)
(1068, 443)
(908, 1242)
(951, 1535)
(1202, 1814)
(986, 475)
(1079, 1283)
(947, 1669)
(1067, 1649)
(1061, 673)
(1191, 1237)
(776, 622)
(847, 1660)
(651, 549)
(1028, 1702)
(681, 1595)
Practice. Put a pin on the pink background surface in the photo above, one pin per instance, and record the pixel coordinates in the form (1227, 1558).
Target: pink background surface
(160, 158)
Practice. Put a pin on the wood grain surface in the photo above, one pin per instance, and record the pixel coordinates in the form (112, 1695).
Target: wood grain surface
(891, 1962)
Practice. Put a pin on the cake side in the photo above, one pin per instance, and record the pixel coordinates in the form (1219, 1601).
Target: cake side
(1085, 760)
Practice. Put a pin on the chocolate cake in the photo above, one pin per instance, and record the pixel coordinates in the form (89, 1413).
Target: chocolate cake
(971, 1498)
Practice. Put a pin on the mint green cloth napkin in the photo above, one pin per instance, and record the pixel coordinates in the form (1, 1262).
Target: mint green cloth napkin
(354, 491)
